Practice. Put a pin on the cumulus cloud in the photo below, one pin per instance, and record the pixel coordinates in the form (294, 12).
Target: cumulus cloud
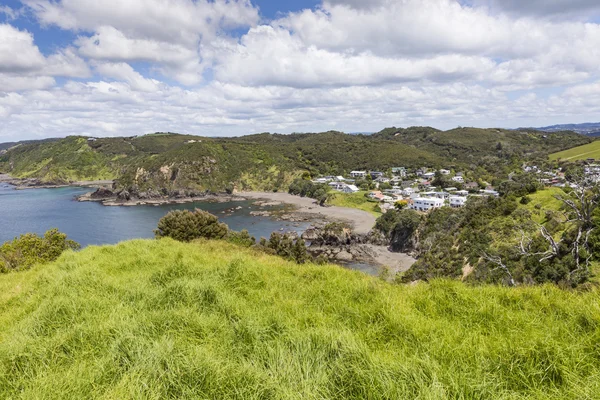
(166, 33)
(216, 68)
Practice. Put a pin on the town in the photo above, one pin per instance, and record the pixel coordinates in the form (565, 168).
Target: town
(424, 189)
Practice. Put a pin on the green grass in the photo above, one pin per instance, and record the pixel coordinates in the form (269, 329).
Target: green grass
(542, 201)
(166, 320)
(356, 200)
(591, 150)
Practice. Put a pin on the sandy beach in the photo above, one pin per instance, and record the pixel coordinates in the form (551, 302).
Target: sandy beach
(361, 221)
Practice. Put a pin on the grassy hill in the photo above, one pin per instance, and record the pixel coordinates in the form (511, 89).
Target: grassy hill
(165, 320)
(590, 150)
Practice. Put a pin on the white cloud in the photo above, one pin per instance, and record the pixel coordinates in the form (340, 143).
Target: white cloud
(124, 72)
(18, 53)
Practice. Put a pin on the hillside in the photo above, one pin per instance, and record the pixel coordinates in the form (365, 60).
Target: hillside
(588, 128)
(211, 320)
(590, 150)
(167, 162)
(471, 145)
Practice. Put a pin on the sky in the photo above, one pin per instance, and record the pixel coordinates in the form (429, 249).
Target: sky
(235, 67)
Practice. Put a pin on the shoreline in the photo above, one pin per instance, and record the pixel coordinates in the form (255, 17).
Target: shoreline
(33, 183)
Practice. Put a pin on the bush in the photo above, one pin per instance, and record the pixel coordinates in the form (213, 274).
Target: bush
(185, 226)
(242, 238)
(30, 249)
(525, 200)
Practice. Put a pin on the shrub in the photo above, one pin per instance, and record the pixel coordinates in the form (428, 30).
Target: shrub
(185, 226)
(241, 238)
(30, 249)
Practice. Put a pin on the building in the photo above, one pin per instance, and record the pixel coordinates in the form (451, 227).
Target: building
(337, 185)
(426, 203)
(399, 171)
(429, 175)
(457, 201)
(376, 174)
(444, 172)
(458, 178)
(462, 193)
(358, 174)
(349, 189)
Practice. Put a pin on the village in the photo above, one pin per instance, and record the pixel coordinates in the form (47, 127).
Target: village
(419, 189)
(413, 189)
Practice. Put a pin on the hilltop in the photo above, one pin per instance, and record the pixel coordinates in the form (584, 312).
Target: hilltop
(162, 319)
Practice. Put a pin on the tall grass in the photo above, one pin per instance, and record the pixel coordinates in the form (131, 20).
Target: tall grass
(166, 320)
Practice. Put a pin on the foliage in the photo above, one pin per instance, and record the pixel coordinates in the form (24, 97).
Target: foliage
(287, 247)
(185, 226)
(241, 238)
(30, 249)
(304, 188)
(164, 320)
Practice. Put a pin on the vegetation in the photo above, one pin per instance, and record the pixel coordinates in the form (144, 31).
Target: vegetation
(590, 150)
(356, 200)
(167, 162)
(306, 188)
(186, 225)
(30, 249)
(213, 320)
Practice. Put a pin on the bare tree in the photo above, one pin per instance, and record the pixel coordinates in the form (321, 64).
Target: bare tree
(500, 266)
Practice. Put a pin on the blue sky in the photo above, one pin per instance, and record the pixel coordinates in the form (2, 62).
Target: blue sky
(211, 67)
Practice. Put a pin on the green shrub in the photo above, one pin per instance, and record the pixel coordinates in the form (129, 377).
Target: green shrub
(241, 238)
(185, 226)
(30, 249)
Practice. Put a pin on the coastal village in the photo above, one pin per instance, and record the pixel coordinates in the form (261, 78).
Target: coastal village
(419, 189)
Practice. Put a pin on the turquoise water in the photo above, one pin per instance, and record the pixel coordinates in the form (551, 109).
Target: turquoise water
(37, 210)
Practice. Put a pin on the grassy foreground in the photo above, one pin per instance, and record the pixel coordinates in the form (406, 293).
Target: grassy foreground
(590, 150)
(166, 320)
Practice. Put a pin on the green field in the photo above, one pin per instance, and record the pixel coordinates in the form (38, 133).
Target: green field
(356, 200)
(152, 319)
(591, 150)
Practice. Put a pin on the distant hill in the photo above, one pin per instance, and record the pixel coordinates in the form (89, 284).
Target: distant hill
(589, 128)
(168, 161)
(8, 145)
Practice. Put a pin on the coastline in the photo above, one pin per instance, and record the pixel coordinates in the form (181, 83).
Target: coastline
(33, 183)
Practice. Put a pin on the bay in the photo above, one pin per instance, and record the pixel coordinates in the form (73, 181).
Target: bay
(37, 210)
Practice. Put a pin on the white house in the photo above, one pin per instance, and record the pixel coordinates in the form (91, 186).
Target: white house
(349, 189)
(408, 192)
(358, 174)
(337, 185)
(457, 201)
(458, 178)
(444, 172)
(429, 175)
(426, 203)
(321, 180)
(462, 193)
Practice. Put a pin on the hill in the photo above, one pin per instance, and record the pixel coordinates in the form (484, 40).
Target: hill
(588, 128)
(590, 150)
(471, 145)
(162, 319)
(167, 162)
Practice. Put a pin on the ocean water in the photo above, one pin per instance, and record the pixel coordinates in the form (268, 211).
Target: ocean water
(37, 210)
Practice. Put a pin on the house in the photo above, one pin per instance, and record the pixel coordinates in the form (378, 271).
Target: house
(429, 175)
(382, 179)
(349, 189)
(450, 189)
(462, 193)
(458, 178)
(337, 185)
(471, 186)
(375, 194)
(426, 203)
(489, 192)
(408, 192)
(358, 174)
(321, 180)
(399, 171)
(457, 201)
(376, 174)
(444, 172)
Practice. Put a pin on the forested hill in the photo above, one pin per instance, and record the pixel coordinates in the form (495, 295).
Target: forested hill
(468, 145)
(268, 161)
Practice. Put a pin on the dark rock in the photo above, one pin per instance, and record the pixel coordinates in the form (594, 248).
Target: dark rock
(102, 193)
